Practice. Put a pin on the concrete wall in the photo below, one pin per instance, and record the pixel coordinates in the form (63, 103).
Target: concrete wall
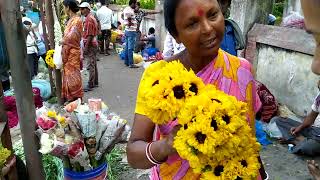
(288, 76)
(282, 59)
(160, 26)
(292, 5)
(248, 12)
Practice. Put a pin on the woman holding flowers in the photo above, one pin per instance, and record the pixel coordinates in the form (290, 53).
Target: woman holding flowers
(199, 25)
(71, 76)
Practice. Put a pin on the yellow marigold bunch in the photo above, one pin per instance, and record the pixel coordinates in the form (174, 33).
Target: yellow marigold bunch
(244, 165)
(4, 154)
(49, 58)
(214, 131)
(164, 89)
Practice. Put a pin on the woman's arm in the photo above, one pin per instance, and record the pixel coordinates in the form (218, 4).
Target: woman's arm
(153, 12)
(141, 135)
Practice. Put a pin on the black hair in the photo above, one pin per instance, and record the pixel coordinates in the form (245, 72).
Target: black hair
(170, 7)
(152, 30)
(103, 2)
(132, 2)
(72, 4)
(138, 4)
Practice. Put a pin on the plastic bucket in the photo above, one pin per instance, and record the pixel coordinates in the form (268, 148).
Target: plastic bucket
(99, 173)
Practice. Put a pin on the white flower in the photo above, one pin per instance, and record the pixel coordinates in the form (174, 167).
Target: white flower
(47, 143)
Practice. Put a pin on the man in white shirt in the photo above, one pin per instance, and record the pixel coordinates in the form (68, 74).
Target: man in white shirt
(32, 48)
(171, 47)
(306, 135)
(104, 15)
(130, 23)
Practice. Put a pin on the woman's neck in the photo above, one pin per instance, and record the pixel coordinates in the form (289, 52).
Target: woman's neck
(71, 15)
(197, 63)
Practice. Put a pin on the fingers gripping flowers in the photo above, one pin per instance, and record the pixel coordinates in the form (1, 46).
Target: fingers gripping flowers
(214, 137)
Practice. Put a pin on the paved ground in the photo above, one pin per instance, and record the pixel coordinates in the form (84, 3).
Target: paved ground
(118, 87)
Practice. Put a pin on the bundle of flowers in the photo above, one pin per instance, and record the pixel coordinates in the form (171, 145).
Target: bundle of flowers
(165, 88)
(9, 102)
(4, 154)
(80, 134)
(49, 58)
(215, 136)
(57, 28)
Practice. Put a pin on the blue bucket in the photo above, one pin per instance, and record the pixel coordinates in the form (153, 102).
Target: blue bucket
(99, 173)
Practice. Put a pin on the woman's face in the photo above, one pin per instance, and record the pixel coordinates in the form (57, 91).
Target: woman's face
(66, 9)
(311, 11)
(200, 26)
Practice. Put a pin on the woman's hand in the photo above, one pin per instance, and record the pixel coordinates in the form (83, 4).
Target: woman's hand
(168, 142)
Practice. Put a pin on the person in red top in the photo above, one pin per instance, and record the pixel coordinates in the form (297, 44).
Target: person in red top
(90, 32)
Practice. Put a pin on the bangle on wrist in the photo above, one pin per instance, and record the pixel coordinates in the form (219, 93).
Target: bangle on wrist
(267, 178)
(150, 156)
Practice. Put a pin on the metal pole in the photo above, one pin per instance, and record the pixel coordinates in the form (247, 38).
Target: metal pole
(50, 22)
(6, 136)
(46, 41)
(16, 45)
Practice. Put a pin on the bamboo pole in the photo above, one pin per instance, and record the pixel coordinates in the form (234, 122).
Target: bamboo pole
(16, 45)
(50, 22)
(46, 42)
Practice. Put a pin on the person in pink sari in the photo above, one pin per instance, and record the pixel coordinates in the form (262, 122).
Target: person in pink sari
(199, 25)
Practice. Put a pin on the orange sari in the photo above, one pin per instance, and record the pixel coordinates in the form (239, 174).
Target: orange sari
(71, 75)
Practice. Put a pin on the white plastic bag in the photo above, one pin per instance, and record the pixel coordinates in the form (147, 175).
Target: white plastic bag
(57, 57)
(272, 129)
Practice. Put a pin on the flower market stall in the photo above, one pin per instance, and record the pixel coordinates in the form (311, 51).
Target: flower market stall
(81, 135)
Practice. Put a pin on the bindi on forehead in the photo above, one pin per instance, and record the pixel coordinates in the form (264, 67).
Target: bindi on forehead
(200, 12)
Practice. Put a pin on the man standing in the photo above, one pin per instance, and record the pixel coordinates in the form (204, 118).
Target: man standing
(32, 48)
(90, 32)
(105, 17)
(140, 14)
(130, 32)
